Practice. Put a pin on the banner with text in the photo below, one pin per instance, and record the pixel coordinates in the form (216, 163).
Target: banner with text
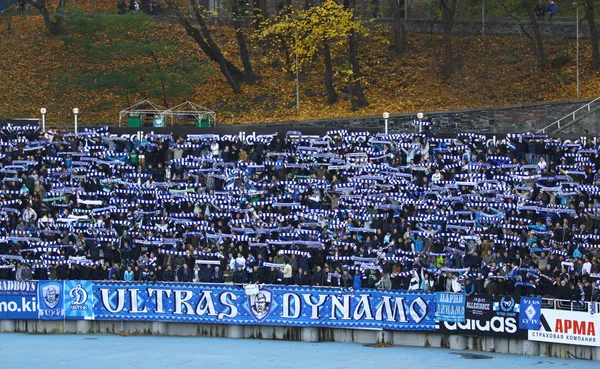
(531, 308)
(450, 307)
(269, 305)
(568, 327)
(18, 300)
(78, 300)
(485, 316)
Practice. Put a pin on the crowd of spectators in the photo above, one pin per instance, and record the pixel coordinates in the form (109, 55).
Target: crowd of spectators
(516, 215)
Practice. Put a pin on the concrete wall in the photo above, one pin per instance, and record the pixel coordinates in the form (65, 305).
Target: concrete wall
(308, 334)
(589, 121)
(518, 118)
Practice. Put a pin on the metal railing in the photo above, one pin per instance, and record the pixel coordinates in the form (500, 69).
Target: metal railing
(571, 116)
(556, 304)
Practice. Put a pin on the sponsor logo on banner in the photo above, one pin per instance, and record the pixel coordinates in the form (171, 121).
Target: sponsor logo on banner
(530, 313)
(506, 306)
(277, 305)
(51, 300)
(78, 300)
(567, 327)
(479, 306)
(485, 317)
(17, 287)
(18, 300)
(241, 136)
(260, 304)
(450, 307)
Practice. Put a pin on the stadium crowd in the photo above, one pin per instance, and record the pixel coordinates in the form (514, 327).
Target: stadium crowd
(353, 210)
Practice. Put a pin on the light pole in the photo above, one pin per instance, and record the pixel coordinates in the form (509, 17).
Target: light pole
(577, 5)
(43, 111)
(386, 115)
(75, 112)
(483, 17)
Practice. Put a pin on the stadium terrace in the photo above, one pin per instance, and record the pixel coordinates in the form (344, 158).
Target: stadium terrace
(517, 215)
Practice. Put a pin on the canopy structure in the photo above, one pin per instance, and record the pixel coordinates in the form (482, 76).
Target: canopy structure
(144, 108)
(187, 111)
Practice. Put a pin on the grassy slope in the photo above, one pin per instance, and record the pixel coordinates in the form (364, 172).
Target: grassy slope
(494, 71)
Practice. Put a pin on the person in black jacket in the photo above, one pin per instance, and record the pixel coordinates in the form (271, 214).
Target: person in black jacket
(298, 277)
(256, 275)
(186, 274)
(273, 276)
(152, 276)
(347, 279)
(206, 274)
(562, 292)
(238, 276)
(318, 277)
(574, 292)
(168, 274)
(217, 276)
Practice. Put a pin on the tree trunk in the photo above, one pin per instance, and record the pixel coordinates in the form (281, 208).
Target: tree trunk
(256, 12)
(448, 8)
(163, 86)
(209, 47)
(589, 14)
(213, 45)
(357, 96)
(539, 45)
(145, 6)
(397, 7)
(239, 34)
(288, 58)
(331, 94)
(56, 26)
(264, 10)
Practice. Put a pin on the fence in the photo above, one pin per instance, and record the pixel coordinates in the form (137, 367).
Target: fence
(571, 117)
(556, 304)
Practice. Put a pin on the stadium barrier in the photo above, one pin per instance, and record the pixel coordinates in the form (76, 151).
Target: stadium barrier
(420, 319)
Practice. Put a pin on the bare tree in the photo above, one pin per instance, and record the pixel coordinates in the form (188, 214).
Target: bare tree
(537, 43)
(332, 96)
(357, 96)
(448, 8)
(397, 7)
(589, 15)
(204, 39)
(239, 34)
(56, 22)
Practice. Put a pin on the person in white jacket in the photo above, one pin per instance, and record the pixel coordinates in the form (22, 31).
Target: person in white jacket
(415, 281)
(456, 286)
(29, 215)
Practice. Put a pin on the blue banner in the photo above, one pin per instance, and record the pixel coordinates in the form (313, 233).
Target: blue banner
(531, 308)
(269, 305)
(3, 308)
(78, 300)
(51, 300)
(18, 300)
(450, 307)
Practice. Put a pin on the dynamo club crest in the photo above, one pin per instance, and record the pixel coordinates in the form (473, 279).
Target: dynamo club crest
(78, 295)
(78, 300)
(260, 304)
